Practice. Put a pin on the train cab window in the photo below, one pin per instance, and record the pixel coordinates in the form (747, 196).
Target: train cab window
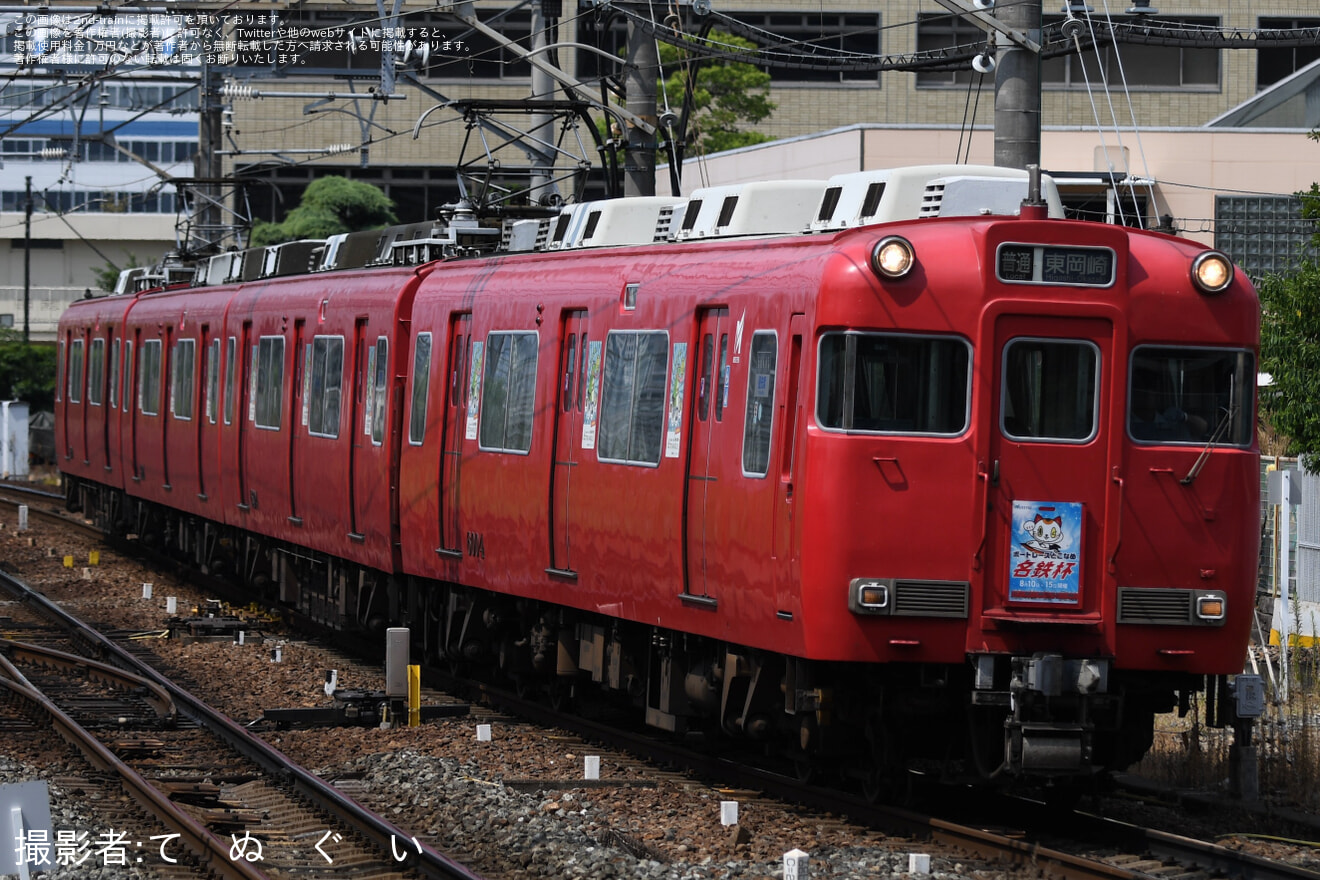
(887, 383)
(76, 371)
(114, 374)
(270, 382)
(231, 358)
(183, 373)
(380, 381)
(1050, 390)
(633, 396)
(759, 416)
(212, 380)
(325, 386)
(149, 378)
(508, 392)
(421, 384)
(96, 372)
(1190, 395)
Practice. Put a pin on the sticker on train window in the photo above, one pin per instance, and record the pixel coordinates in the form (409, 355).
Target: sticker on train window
(1055, 264)
(1045, 552)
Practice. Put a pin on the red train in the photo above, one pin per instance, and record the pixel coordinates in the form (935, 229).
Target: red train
(870, 470)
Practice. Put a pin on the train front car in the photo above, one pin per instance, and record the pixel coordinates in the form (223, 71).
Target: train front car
(1031, 491)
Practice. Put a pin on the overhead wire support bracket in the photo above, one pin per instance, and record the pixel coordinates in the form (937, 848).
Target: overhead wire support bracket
(979, 14)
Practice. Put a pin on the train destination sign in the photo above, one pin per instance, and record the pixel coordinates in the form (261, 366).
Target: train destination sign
(1055, 264)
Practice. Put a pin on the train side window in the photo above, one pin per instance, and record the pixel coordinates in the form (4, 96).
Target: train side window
(582, 372)
(722, 396)
(127, 391)
(212, 379)
(96, 372)
(891, 383)
(633, 398)
(379, 389)
(421, 385)
(326, 384)
(149, 381)
(1191, 395)
(183, 373)
(231, 355)
(76, 371)
(704, 387)
(114, 374)
(270, 382)
(570, 366)
(1050, 390)
(508, 392)
(759, 416)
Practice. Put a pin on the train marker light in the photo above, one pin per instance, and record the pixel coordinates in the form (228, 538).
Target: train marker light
(892, 257)
(1212, 272)
(1210, 607)
(868, 596)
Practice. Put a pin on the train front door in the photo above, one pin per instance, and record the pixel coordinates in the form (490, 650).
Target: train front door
(706, 514)
(1050, 477)
(453, 430)
(568, 436)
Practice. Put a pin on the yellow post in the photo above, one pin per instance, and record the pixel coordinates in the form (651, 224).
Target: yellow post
(68, 562)
(94, 558)
(414, 696)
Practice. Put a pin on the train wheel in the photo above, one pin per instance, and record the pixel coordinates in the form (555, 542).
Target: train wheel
(804, 769)
(882, 779)
(561, 695)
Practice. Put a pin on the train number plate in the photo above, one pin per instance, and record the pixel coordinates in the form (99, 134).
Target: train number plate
(1055, 264)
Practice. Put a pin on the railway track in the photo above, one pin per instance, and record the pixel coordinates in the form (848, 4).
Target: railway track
(269, 810)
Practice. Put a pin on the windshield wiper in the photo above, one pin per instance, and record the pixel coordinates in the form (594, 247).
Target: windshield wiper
(1215, 437)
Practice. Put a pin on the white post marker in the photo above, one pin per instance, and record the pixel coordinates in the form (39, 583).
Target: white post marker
(240, 637)
(171, 605)
(918, 863)
(277, 655)
(795, 865)
(591, 768)
(22, 518)
(146, 591)
(87, 573)
(728, 812)
(483, 733)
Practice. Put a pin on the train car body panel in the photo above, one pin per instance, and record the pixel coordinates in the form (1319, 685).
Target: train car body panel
(88, 439)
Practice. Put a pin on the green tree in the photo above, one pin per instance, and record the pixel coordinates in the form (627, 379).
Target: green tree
(727, 95)
(108, 275)
(1290, 344)
(329, 206)
(27, 371)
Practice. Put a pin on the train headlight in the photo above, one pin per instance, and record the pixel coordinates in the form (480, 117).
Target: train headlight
(1211, 606)
(1212, 272)
(892, 257)
(869, 595)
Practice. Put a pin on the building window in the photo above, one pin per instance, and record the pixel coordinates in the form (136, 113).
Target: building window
(759, 415)
(421, 379)
(324, 393)
(1263, 234)
(269, 354)
(937, 31)
(1140, 66)
(96, 372)
(7, 319)
(183, 371)
(1273, 65)
(508, 392)
(149, 378)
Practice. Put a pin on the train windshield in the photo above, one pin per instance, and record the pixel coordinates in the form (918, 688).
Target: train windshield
(1189, 395)
(887, 383)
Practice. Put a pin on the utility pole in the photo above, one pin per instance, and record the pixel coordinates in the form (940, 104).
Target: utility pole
(27, 262)
(643, 71)
(541, 122)
(208, 166)
(1017, 89)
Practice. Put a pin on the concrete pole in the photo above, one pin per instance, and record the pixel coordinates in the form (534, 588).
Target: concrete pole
(27, 262)
(643, 72)
(1017, 89)
(541, 123)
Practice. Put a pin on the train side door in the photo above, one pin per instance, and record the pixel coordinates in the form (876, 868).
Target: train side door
(454, 420)
(206, 413)
(1049, 470)
(246, 364)
(705, 527)
(568, 436)
(295, 420)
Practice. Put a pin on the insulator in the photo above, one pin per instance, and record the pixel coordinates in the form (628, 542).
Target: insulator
(335, 149)
(52, 153)
(234, 90)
